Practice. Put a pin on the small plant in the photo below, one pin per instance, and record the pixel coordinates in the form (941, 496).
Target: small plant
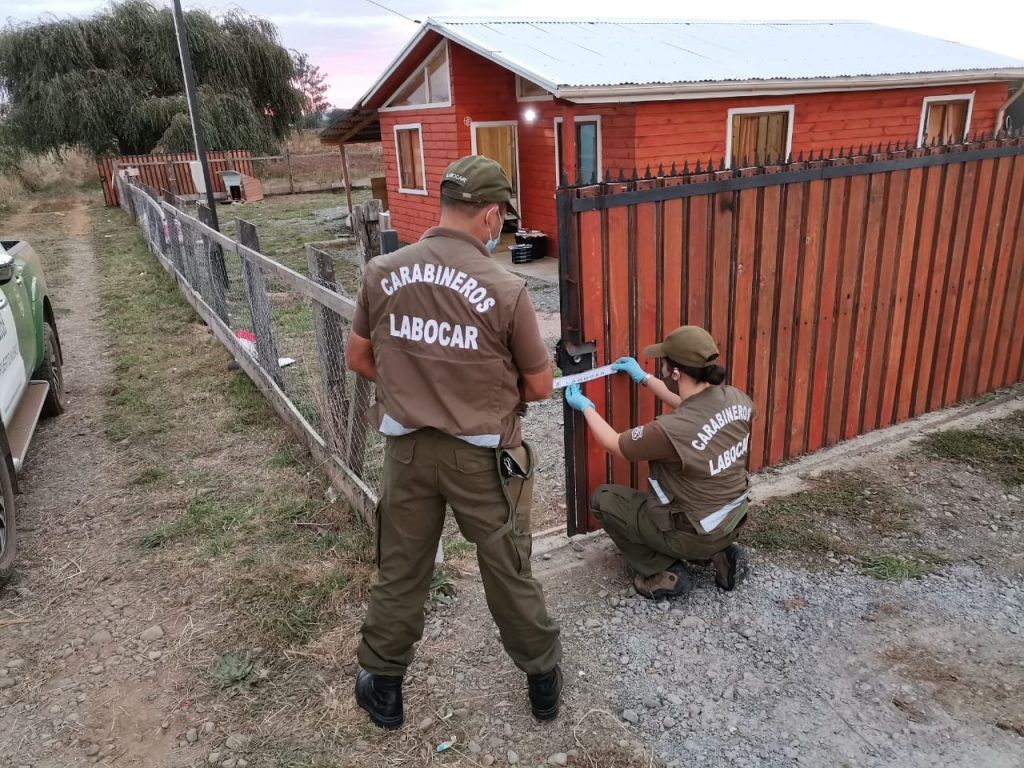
(442, 589)
(899, 568)
(231, 668)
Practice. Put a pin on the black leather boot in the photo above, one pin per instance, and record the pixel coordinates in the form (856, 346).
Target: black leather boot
(381, 697)
(545, 693)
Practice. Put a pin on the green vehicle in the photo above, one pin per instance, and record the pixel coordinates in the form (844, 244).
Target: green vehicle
(31, 379)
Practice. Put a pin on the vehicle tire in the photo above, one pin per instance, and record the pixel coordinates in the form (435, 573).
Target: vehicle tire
(51, 370)
(8, 530)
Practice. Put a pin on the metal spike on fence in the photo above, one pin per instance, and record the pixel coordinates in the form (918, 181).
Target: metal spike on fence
(672, 170)
(647, 172)
(721, 163)
(800, 157)
(686, 167)
(634, 176)
(697, 169)
(607, 176)
(661, 170)
(622, 175)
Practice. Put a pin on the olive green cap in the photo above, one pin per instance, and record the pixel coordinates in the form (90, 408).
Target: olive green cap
(477, 179)
(688, 345)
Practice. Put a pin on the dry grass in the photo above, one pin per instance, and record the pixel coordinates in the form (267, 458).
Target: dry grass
(50, 183)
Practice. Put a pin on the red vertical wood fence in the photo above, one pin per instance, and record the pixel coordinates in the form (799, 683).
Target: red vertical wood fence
(155, 170)
(846, 294)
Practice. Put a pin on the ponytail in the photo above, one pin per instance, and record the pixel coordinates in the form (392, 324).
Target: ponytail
(712, 374)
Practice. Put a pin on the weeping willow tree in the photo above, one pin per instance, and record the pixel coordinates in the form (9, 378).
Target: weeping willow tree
(112, 83)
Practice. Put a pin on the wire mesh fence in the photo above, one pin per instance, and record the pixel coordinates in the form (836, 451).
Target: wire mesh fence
(289, 174)
(286, 330)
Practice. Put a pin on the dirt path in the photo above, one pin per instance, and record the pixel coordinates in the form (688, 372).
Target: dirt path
(88, 681)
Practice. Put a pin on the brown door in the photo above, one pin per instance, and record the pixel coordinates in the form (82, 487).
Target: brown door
(498, 142)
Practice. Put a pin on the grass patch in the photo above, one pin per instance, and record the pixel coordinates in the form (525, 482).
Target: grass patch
(150, 475)
(202, 517)
(804, 521)
(286, 606)
(287, 456)
(899, 568)
(249, 407)
(997, 449)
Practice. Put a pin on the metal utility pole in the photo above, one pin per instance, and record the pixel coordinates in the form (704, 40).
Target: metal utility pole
(193, 109)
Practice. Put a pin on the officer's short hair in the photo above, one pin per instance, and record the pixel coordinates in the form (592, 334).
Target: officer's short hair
(465, 207)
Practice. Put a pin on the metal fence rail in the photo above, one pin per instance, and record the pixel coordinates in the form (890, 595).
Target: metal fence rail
(287, 331)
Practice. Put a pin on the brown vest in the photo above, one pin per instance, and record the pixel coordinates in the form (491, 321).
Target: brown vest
(440, 314)
(710, 432)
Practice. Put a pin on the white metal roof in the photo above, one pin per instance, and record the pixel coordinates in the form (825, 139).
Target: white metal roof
(579, 53)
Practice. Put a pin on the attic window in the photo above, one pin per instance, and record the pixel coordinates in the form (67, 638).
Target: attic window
(429, 85)
(758, 136)
(945, 119)
(528, 91)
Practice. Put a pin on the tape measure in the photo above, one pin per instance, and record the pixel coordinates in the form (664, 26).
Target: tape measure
(578, 378)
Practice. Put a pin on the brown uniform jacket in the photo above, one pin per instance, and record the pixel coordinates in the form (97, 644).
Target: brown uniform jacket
(451, 331)
(698, 456)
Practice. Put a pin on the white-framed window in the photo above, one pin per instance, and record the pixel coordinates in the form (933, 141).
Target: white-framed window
(758, 135)
(945, 119)
(530, 91)
(409, 151)
(428, 87)
(589, 161)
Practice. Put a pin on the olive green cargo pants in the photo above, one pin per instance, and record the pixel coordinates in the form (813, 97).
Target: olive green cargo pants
(623, 514)
(422, 471)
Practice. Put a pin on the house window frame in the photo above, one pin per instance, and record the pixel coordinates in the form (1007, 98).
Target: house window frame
(929, 100)
(421, 72)
(790, 109)
(519, 91)
(600, 144)
(398, 159)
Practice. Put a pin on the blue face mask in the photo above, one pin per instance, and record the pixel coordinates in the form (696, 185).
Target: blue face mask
(491, 244)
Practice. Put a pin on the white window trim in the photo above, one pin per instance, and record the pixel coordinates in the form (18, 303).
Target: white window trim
(497, 124)
(600, 145)
(790, 108)
(928, 100)
(398, 159)
(421, 71)
(521, 98)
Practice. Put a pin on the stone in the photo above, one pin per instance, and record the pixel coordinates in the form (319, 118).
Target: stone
(152, 634)
(213, 758)
(7, 682)
(488, 760)
(92, 750)
(101, 638)
(692, 622)
(425, 723)
(674, 700)
(237, 741)
(192, 736)
(154, 655)
(559, 758)
(668, 722)
(474, 748)
(630, 716)
(512, 757)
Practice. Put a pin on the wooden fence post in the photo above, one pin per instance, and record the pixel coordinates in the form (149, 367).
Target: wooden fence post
(172, 178)
(214, 269)
(366, 226)
(345, 178)
(173, 236)
(291, 179)
(330, 340)
(259, 304)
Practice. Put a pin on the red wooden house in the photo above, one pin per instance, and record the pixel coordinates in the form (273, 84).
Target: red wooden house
(624, 94)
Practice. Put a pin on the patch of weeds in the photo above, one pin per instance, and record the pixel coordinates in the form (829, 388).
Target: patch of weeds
(287, 456)
(457, 547)
(442, 589)
(150, 475)
(286, 608)
(899, 568)
(250, 408)
(293, 320)
(202, 517)
(996, 448)
(230, 669)
(803, 520)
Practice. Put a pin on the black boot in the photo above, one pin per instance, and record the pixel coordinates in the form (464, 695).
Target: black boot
(545, 693)
(381, 696)
(731, 567)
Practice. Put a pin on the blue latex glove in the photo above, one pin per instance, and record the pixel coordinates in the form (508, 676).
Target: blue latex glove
(576, 399)
(632, 367)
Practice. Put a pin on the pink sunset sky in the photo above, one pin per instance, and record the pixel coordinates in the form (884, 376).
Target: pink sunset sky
(353, 41)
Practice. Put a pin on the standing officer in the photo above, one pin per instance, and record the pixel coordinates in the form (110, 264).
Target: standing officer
(697, 500)
(452, 342)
